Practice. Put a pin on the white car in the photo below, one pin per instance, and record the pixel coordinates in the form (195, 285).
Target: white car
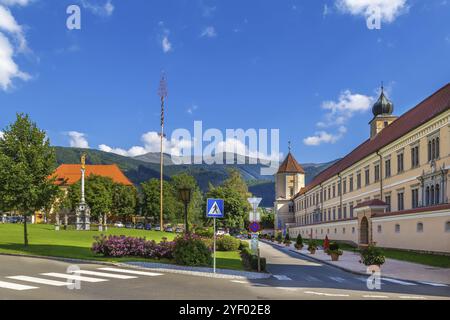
(221, 232)
(119, 225)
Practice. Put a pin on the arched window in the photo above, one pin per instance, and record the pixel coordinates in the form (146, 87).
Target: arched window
(343, 230)
(420, 227)
(335, 230)
(428, 196)
(397, 228)
(353, 229)
(437, 148)
(432, 195)
(379, 228)
(447, 226)
(437, 195)
(433, 149)
(429, 150)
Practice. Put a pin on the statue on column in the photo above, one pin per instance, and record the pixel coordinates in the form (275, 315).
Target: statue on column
(83, 212)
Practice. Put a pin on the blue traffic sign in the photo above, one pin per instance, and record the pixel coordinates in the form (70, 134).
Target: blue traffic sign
(215, 208)
(254, 227)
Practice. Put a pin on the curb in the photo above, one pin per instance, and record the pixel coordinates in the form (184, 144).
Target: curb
(161, 267)
(344, 268)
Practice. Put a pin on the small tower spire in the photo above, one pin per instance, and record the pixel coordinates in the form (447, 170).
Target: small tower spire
(289, 146)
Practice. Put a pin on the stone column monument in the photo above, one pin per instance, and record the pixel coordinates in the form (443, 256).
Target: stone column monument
(83, 212)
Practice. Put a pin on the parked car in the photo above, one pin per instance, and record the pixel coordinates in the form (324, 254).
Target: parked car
(119, 225)
(169, 229)
(221, 232)
(179, 230)
(139, 226)
(129, 225)
(148, 226)
(157, 228)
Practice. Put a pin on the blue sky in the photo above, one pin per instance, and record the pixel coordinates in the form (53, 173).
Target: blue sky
(309, 68)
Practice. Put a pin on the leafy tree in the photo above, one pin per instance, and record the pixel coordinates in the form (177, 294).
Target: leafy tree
(196, 205)
(26, 162)
(235, 193)
(124, 200)
(151, 201)
(267, 219)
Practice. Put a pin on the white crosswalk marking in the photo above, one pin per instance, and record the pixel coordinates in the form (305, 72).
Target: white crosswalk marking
(105, 275)
(15, 286)
(282, 277)
(40, 281)
(327, 294)
(142, 273)
(73, 277)
(434, 284)
(375, 296)
(337, 279)
(399, 282)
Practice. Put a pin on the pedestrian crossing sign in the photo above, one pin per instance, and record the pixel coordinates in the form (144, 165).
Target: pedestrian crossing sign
(215, 208)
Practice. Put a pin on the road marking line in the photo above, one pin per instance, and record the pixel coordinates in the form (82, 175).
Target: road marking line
(337, 279)
(326, 294)
(282, 277)
(399, 282)
(434, 284)
(375, 297)
(142, 273)
(286, 288)
(15, 286)
(103, 274)
(413, 297)
(73, 277)
(239, 281)
(311, 278)
(40, 281)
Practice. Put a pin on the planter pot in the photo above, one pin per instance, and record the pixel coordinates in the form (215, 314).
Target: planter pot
(312, 251)
(334, 256)
(298, 247)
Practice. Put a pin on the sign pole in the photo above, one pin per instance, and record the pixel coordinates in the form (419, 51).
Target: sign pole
(214, 245)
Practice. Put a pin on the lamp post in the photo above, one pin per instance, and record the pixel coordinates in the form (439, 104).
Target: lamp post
(185, 197)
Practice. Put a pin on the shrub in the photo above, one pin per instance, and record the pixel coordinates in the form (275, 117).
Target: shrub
(244, 245)
(227, 243)
(190, 250)
(205, 232)
(250, 260)
(372, 256)
(279, 237)
(299, 242)
(122, 246)
(334, 248)
(312, 245)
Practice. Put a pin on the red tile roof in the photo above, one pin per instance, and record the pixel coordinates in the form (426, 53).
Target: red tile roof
(69, 174)
(429, 108)
(290, 165)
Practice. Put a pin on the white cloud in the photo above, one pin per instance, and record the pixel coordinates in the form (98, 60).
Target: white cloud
(15, 2)
(338, 114)
(104, 10)
(389, 9)
(9, 47)
(324, 137)
(78, 140)
(191, 110)
(1, 134)
(166, 45)
(8, 68)
(151, 143)
(233, 145)
(209, 32)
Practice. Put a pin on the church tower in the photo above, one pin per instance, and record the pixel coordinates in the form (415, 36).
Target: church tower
(382, 114)
(289, 180)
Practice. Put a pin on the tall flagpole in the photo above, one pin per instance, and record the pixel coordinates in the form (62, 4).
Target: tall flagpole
(162, 92)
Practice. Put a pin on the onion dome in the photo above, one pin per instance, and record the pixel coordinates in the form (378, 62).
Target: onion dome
(383, 106)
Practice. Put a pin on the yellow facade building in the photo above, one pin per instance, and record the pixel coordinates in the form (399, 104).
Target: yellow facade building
(391, 190)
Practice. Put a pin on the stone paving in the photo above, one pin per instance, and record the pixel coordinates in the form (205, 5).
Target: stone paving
(397, 269)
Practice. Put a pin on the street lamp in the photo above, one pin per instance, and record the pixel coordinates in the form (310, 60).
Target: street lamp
(185, 197)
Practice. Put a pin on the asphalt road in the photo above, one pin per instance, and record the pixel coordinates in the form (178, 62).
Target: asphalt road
(294, 278)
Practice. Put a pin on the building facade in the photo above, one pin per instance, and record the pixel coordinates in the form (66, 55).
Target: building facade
(392, 190)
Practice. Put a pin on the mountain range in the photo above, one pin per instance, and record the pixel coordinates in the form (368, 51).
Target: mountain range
(145, 167)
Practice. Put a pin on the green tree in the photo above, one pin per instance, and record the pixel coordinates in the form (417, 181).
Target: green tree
(234, 191)
(196, 205)
(267, 219)
(26, 162)
(124, 200)
(151, 201)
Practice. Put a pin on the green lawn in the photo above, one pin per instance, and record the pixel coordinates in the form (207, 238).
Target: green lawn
(45, 241)
(428, 259)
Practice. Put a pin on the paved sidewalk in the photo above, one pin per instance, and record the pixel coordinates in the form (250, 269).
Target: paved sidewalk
(397, 269)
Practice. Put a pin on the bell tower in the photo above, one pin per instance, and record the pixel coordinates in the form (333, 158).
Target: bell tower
(382, 114)
(289, 180)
